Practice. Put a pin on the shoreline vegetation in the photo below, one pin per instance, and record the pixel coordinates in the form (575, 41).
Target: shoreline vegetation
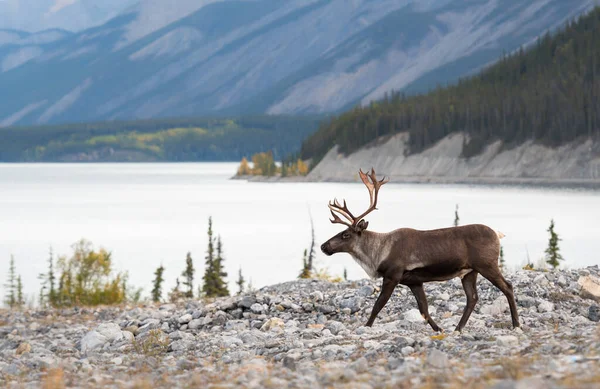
(532, 182)
(264, 165)
(156, 140)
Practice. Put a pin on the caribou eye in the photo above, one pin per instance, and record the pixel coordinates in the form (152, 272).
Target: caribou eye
(345, 235)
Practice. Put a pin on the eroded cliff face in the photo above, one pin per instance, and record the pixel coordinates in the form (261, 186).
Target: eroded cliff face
(573, 163)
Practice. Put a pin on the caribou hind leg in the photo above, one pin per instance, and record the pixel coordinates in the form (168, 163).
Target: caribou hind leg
(494, 275)
(419, 293)
(469, 283)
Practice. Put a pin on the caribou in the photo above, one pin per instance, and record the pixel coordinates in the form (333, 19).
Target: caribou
(412, 257)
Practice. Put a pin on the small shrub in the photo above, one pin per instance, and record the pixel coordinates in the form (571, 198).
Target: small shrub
(153, 344)
(86, 278)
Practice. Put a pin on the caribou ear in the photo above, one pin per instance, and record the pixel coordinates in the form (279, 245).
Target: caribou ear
(362, 225)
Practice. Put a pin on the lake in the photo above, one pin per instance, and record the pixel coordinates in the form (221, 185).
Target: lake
(148, 214)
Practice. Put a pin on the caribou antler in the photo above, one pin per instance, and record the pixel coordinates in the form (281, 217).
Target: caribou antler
(373, 187)
(342, 210)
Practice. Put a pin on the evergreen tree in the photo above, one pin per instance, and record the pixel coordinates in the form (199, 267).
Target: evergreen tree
(345, 274)
(240, 282)
(553, 255)
(188, 276)
(284, 172)
(10, 299)
(220, 273)
(20, 299)
(456, 218)
(157, 284)
(209, 288)
(502, 262)
(51, 278)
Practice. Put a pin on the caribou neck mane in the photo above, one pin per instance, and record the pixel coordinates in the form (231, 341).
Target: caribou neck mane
(373, 249)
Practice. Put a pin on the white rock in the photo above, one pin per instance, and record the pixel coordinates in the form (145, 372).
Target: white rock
(117, 361)
(407, 350)
(185, 318)
(437, 358)
(195, 324)
(272, 323)
(317, 295)
(545, 306)
(91, 341)
(590, 287)
(128, 336)
(444, 296)
(562, 281)
(498, 307)
(413, 316)
(111, 331)
(541, 279)
(256, 308)
(507, 340)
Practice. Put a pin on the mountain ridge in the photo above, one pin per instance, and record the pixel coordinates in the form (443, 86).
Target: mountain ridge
(242, 57)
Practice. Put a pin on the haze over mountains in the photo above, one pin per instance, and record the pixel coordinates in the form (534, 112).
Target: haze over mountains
(70, 15)
(203, 57)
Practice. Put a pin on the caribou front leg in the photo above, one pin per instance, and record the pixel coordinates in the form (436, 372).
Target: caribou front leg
(386, 291)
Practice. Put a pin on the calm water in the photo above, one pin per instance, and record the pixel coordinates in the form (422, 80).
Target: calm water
(148, 214)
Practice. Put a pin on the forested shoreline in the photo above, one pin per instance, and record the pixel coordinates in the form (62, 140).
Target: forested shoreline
(549, 93)
(172, 140)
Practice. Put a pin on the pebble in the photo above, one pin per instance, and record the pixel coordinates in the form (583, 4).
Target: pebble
(438, 359)
(594, 313)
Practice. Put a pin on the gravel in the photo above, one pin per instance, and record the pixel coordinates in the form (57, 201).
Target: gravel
(311, 334)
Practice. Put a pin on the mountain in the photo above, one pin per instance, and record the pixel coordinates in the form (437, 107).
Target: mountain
(534, 116)
(71, 15)
(233, 57)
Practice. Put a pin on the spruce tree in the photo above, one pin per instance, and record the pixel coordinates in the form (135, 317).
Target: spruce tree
(188, 276)
(240, 282)
(284, 172)
(345, 274)
(157, 284)
(20, 299)
(553, 255)
(220, 273)
(209, 283)
(10, 299)
(502, 262)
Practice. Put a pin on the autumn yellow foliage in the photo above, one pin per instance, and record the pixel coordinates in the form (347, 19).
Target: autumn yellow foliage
(86, 278)
(264, 165)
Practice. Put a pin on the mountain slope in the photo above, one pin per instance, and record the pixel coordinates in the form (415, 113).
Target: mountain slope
(534, 115)
(235, 57)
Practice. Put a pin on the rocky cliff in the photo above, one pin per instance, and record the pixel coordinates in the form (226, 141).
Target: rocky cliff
(577, 163)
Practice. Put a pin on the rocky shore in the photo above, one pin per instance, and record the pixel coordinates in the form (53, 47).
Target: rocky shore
(311, 334)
